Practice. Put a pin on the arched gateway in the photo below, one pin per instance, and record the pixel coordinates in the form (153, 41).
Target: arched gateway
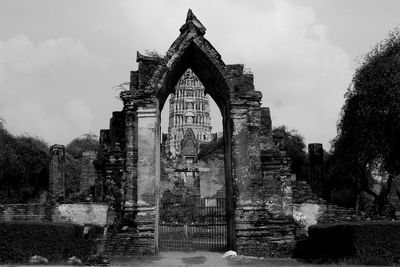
(257, 175)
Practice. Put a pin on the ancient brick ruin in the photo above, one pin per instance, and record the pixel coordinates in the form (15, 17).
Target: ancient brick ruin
(257, 173)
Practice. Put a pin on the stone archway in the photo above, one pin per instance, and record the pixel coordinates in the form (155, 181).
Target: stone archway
(257, 176)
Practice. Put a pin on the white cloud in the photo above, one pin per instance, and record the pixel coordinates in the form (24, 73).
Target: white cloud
(79, 115)
(36, 92)
(30, 118)
(301, 73)
(21, 54)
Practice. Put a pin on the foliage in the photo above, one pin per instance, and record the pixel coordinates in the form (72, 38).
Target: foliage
(211, 148)
(369, 125)
(294, 145)
(73, 156)
(24, 164)
(55, 241)
(153, 53)
(125, 86)
(374, 242)
(72, 175)
(88, 142)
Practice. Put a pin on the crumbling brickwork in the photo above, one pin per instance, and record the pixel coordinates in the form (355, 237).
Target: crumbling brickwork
(309, 209)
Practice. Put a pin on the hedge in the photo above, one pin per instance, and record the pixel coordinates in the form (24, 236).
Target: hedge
(55, 241)
(374, 242)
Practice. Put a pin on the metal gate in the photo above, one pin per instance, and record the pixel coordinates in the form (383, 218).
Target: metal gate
(192, 224)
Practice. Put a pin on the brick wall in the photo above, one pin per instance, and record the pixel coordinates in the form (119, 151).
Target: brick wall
(85, 213)
(308, 209)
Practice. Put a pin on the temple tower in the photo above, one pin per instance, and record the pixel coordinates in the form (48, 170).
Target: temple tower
(188, 109)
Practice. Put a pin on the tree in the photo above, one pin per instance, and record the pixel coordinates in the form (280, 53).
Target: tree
(87, 142)
(294, 145)
(72, 175)
(73, 156)
(368, 140)
(213, 147)
(24, 162)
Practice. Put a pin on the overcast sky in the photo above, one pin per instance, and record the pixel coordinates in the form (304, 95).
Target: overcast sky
(59, 59)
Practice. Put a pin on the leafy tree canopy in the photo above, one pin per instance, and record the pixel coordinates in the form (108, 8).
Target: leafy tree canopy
(369, 125)
(87, 142)
(24, 164)
(74, 150)
(213, 147)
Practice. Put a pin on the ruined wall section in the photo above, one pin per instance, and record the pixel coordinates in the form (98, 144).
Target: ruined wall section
(110, 167)
(264, 223)
(77, 213)
(110, 159)
(117, 167)
(101, 192)
(138, 234)
(309, 209)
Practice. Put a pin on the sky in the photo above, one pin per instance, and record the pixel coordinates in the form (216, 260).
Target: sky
(60, 60)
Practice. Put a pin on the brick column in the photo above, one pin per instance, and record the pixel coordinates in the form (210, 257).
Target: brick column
(131, 154)
(57, 172)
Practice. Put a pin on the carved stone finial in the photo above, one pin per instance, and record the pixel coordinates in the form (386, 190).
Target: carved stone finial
(193, 23)
(189, 15)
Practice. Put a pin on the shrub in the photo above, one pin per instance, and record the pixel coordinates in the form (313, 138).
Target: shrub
(55, 241)
(375, 242)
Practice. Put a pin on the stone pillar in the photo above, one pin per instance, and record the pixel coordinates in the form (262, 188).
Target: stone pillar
(240, 160)
(316, 159)
(57, 172)
(148, 177)
(88, 172)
